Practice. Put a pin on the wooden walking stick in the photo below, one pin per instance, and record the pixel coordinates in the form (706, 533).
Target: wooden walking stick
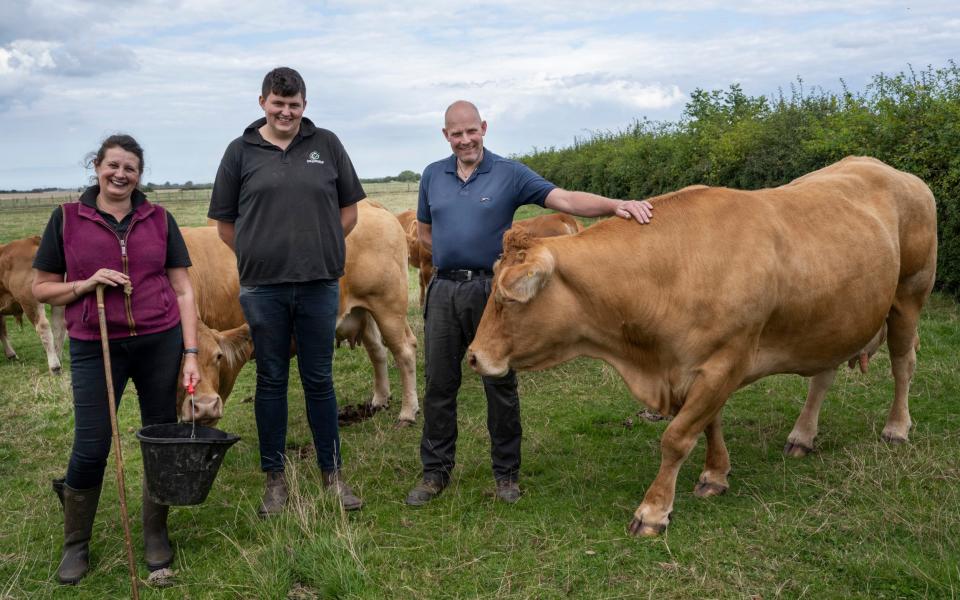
(121, 487)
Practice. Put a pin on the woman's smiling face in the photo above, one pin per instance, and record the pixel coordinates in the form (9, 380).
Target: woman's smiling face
(118, 173)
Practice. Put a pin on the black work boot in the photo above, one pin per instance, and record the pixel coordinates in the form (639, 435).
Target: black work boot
(79, 510)
(156, 544)
(333, 481)
(425, 491)
(274, 494)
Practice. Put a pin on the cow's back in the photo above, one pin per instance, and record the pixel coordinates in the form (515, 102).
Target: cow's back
(216, 284)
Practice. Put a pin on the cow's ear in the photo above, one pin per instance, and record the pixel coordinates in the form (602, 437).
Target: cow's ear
(521, 282)
(237, 345)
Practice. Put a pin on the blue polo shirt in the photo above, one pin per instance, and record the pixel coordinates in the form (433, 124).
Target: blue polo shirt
(468, 219)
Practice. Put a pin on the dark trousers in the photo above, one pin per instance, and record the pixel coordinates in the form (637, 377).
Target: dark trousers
(152, 361)
(275, 314)
(451, 315)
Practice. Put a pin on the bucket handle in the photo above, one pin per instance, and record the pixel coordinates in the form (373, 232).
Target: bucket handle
(193, 412)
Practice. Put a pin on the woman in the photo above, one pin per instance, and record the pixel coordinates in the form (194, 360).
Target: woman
(114, 236)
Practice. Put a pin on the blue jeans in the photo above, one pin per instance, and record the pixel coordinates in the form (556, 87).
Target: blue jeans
(275, 313)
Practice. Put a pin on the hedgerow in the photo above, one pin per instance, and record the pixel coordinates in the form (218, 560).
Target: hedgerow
(910, 120)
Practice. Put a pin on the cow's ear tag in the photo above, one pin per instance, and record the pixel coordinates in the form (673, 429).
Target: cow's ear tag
(529, 273)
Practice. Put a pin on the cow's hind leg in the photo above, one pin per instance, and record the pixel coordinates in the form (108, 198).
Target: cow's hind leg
(703, 403)
(403, 345)
(902, 341)
(713, 480)
(373, 344)
(800, 441)
(8, 350)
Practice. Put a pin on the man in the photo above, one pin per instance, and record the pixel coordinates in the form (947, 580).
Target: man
(285, 199)
(466, 203)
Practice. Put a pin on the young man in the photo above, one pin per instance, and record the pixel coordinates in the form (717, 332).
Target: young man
(466, 203)
(285, 199)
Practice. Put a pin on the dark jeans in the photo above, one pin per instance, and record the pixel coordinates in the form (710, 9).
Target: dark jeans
(152, 361)
(451, 315)
(307, 311)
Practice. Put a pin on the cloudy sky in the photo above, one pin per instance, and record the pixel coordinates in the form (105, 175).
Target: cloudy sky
(183, 77)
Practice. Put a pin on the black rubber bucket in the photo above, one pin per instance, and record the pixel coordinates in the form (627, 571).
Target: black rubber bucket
(179, 469)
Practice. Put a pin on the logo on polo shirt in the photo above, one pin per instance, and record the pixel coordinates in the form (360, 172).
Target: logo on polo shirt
(314, 158)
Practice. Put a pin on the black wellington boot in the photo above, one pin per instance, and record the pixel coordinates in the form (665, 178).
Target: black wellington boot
(79, 511)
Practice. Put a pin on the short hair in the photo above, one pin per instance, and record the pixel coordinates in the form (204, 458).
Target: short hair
(283, 81)
(117, 140)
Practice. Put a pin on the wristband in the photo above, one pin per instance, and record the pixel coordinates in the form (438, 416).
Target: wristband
(190, 351)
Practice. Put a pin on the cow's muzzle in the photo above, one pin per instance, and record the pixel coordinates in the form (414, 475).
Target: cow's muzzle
(204, 410)
(482, 365)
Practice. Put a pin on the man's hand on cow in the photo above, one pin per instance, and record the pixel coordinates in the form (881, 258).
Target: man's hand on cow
(640, 211)
(191, 371)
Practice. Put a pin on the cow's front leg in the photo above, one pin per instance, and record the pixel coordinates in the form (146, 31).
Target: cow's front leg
(704, 400)
(800, 441)
(713, 480)
(38, 316)
(8, 350)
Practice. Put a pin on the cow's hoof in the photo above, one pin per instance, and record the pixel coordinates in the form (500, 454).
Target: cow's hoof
(705, 489)
(12, 356)
(56, 370)
(796, 450)
(403, 424)
(640, 528)
(893, 438)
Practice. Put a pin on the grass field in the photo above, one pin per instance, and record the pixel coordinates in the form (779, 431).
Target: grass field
(857, 519)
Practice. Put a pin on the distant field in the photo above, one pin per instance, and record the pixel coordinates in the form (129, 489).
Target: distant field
(23, 215)
(21, 200)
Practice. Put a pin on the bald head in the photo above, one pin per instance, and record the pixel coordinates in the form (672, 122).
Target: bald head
(464, 130)
(461, 111)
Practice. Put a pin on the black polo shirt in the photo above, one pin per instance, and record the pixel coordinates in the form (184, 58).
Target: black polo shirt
(50, 255)
(285, 204)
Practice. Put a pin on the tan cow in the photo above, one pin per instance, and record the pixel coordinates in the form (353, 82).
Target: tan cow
(722, 288)
(419, 256)
(16, 278)
(223, 336)
(422, 259)
(373, 311)
(373, 303)
(550, 225)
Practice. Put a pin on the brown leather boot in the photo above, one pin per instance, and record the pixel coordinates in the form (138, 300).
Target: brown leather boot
(425, 491)
(79, 511)
(508, 491)
(274, 494)
(333, 481)
(156, 544)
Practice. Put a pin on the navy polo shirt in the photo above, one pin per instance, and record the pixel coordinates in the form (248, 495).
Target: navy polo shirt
(468, 219)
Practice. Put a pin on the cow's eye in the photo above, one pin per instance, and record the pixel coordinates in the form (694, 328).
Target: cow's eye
(218, 356)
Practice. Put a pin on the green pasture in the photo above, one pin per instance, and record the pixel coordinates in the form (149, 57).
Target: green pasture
(857, 519)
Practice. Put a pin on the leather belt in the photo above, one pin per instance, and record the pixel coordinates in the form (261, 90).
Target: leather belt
(463, 274)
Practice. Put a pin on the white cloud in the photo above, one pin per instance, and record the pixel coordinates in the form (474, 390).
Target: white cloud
(184, 76)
